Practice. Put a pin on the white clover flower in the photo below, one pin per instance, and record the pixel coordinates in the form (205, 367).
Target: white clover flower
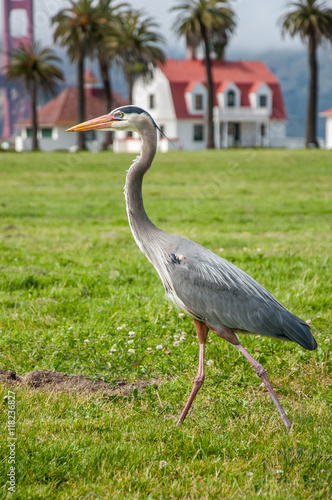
(327, 340)
(131, 351)
(149, 349)
(221, 249)
(210, 362)
(250, 473)
(258, 250)
(162, 464)
(119, 328)
(279, 471)
(181, 315)
(159, 347)
(86, 341)
(308, 321)
(130, 341)
(70, 328)
(113, 348)
(131, 334)
(182, 339)
(176, 336)
(176, 343)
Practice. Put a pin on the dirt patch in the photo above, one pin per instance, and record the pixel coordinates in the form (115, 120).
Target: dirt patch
(47, 380)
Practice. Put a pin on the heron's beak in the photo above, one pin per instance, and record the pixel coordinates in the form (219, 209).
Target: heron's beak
(101, 122)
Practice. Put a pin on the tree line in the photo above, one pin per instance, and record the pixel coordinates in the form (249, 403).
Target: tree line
(117, 33)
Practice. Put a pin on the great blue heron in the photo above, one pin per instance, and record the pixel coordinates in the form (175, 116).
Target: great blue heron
(216, 294)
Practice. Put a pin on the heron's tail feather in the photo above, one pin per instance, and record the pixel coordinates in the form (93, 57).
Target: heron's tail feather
(298, 331)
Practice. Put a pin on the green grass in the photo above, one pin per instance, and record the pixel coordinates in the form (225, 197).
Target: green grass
(70, 271)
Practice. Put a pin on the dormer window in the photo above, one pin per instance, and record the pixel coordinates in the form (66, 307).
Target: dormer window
(263, 101)
(195, 96)
(198, 102)
(151, 101)
(230, 99)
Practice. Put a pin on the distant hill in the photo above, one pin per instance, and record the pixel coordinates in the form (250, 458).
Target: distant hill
(290, 67)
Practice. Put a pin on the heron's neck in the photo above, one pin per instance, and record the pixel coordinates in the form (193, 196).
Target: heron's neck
(140, 224)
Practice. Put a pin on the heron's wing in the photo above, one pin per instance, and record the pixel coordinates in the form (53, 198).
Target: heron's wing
(213, 289)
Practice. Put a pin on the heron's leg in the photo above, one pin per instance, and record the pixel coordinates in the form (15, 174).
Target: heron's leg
(202, 332)
(260, 370)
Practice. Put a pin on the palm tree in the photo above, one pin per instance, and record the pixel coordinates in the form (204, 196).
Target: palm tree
(207, 22)
(37, 66)
(105, 42)
(138, 50)
(312, 20)
(75, 29)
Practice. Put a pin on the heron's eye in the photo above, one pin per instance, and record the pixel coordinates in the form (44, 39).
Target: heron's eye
(120, 114)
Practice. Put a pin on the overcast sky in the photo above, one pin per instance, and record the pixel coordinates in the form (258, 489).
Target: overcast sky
(257, 28)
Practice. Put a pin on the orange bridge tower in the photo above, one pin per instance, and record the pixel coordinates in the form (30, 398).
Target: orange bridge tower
(18, 29)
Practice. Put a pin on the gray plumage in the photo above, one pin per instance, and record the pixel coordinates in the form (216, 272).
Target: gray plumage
(220, 293)
(203, 284)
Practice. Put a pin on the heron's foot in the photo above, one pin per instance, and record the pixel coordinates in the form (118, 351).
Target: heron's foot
(199, 380)
(261, 372)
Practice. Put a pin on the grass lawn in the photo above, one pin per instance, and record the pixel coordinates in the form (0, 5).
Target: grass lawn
(71, 271)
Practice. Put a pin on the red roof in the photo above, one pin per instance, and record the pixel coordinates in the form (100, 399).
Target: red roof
(245, 74)
(62, 110)
(327, 112)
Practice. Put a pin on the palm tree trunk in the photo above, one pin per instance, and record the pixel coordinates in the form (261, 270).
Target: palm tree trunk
(130, 81)
(35, 145)
(81, 98)
(104, 71)
(210, 124)
(311, 138)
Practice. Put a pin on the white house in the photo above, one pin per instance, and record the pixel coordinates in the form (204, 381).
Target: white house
(61, 113)
(328, 127)
(248, 105)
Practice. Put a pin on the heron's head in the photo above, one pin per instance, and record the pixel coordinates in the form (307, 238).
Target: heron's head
(123, 118)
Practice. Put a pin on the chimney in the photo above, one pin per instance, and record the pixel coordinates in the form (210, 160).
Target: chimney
(191, 52)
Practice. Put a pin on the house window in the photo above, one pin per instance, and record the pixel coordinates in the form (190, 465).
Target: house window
(29, 132)
(46, 133)
(231, 99)
(263, 130)
(152, 101)
(234, 134)
(263, 101)
(198, 132)
(198, 101)
(91, 135)
(161, 131)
